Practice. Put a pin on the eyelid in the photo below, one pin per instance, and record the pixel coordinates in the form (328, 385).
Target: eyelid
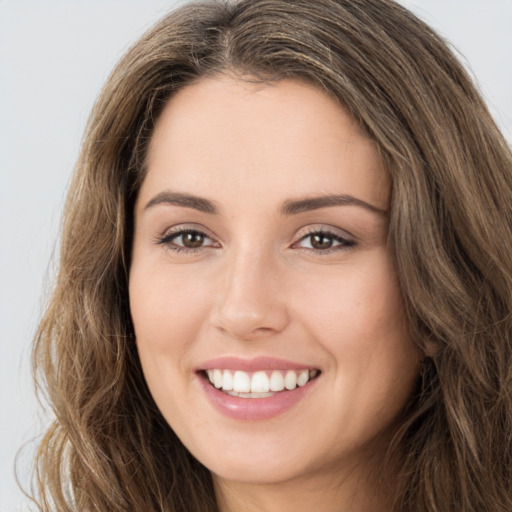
(326, 229)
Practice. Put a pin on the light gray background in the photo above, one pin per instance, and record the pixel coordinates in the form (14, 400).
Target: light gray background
(54, 57)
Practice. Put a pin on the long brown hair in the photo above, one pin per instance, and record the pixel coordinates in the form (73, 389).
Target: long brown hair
(450, 232)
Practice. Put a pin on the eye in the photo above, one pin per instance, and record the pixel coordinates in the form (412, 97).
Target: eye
(324, 242)
(189, 240)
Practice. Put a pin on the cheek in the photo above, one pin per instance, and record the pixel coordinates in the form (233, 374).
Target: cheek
(165, 304)
(356, 304)
(358, 319)
(167, 309)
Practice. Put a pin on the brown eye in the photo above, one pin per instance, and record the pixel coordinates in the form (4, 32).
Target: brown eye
(325, 242)
(321, 241)
(187, 240)
(192, 239)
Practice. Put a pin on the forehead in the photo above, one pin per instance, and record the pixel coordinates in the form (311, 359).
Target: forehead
(228, 135)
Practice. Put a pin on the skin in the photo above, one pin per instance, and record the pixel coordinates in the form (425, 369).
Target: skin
(255, 286)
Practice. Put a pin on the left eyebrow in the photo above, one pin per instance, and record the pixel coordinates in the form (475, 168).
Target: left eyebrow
(315, 203)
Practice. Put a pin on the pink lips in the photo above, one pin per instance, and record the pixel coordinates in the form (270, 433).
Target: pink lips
(252, 409)
(252, 365)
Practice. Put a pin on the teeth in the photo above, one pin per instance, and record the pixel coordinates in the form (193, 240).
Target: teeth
(227, 380)
(276, 381)
(290, 380)
(302, 377)
(241, 382)
(250, 395)
(217, 378)
(258, 384)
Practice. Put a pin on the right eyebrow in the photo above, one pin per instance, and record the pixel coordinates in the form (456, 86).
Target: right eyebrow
(187, 200)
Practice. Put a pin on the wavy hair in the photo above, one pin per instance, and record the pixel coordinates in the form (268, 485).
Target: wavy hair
(450, 234)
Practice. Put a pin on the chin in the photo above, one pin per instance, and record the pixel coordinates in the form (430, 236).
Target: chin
(256, 472)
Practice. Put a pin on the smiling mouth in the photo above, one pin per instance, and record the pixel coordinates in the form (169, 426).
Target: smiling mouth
(259, 384)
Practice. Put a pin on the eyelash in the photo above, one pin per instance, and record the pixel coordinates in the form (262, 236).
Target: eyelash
(344, 243)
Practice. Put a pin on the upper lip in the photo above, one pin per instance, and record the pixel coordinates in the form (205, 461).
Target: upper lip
(252, 365)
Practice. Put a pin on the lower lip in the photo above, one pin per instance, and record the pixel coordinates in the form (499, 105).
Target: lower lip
(254, 409)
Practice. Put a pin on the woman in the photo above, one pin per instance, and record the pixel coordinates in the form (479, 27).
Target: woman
(285, 279)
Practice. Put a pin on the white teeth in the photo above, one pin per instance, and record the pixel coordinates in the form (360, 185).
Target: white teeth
(276, 381)
(302, 377)
(241, 382)
(217, 378)
(258, 384)
(227, 380)
(290, 380)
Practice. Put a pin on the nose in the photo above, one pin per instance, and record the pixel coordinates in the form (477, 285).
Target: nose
(250, 301)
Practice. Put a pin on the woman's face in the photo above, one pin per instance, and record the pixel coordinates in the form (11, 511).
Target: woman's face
(260, 262)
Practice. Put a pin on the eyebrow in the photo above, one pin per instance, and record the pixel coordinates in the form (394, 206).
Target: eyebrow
(291, 207)
(315, 203)
(186, 200)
